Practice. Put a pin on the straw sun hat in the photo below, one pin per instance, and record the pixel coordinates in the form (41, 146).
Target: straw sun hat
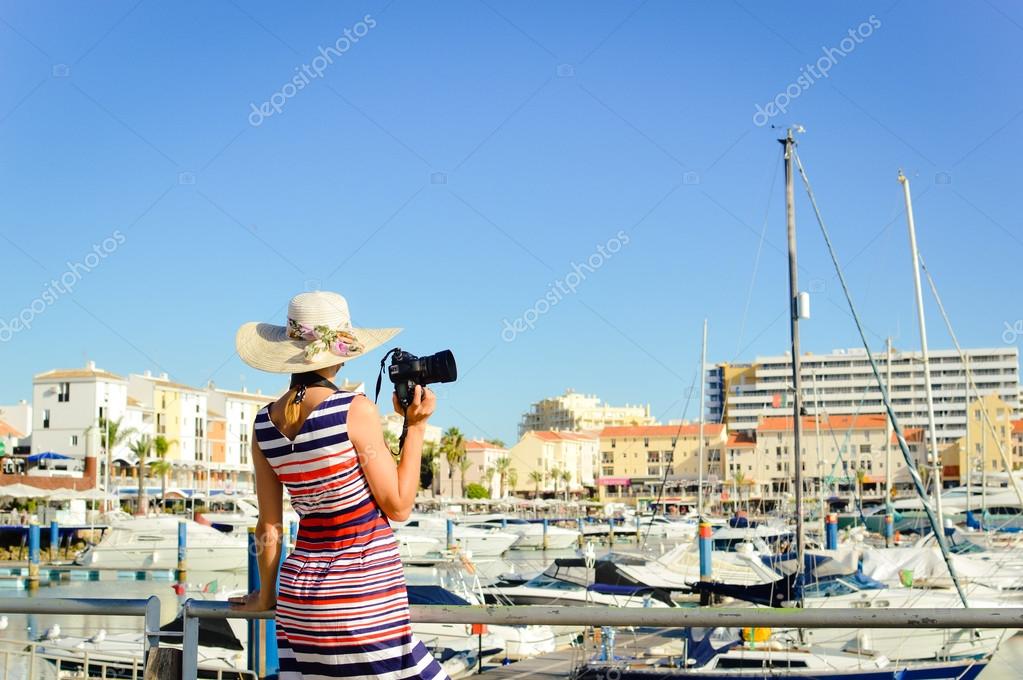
(318, 334)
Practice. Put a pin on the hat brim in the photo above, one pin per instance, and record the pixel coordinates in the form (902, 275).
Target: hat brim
(267, 347)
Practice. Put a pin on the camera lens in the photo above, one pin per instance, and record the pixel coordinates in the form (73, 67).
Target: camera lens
(440, 368)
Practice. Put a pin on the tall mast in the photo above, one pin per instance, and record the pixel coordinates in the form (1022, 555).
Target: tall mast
(703, 384)
(969, 446)
(928, 390)
(797, 422)
(817, 439)
(888, 431)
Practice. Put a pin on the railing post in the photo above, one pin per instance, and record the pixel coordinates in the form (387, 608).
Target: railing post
(546, 525)
(450, 534)
(889, 530)
(190, 644)
(262, 651)
(579, 528)
(152, 627)
(33, 556)
(253, 624)
(54, 541)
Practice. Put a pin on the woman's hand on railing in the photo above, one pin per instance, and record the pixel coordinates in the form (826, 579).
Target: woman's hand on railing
(253, 602)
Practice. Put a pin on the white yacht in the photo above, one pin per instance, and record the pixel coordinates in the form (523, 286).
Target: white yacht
(480, 542)
(530, 533)
(153, 542)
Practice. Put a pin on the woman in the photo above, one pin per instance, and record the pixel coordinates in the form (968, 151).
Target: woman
(342, 607)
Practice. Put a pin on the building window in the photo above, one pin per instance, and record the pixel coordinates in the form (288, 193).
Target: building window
(646, 442)
(612, 443)
(653, 457)
(64, 392)
(74, 440)
(46, 418)
(653, 471)
(102, 412)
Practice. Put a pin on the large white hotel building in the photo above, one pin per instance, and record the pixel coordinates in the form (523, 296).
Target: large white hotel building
(842, 383)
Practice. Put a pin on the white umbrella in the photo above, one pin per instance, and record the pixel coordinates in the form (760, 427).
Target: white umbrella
(23, 491)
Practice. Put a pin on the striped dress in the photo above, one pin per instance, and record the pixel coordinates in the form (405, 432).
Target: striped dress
(342, 607)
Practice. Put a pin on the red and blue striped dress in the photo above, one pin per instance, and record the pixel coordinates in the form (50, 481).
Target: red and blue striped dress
(342, 607)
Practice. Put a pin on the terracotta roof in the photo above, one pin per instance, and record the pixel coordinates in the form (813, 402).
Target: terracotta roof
(477, 444)
(7, 431)
(554, 436)
(1017, 427)
(912, 434)
(75, 374)
(784, 423)
(738, 440)
(689, 430)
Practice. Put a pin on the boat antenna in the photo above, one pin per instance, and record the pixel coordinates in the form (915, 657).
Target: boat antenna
(914, 473)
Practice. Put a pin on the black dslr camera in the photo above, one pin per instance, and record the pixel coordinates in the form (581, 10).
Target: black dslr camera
(407, 370)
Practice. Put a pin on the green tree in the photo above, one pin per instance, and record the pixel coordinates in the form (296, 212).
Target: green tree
(555, 476)
(566, 477)
(161, 466)
(463, 466)
(488, 476)
(452, 445)
(737, 479)
(513, 478)
(503, 466)
(538, 478)
(426, 465)
(499, 443)
(475, 490)
(112, 434)
(861, 477)
(141, 448)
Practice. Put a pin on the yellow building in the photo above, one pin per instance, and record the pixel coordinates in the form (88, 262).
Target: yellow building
(727, 379)
(549, 462)
(636, 461)
(181, 415)
(983, 450)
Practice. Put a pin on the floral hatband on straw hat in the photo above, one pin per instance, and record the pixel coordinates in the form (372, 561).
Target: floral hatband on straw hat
(318, 334)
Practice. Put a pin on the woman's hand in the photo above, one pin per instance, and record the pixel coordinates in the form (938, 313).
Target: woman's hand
(424, 401)
(253, 602)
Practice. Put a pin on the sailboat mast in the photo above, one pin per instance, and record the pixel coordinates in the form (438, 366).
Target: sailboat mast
(931, 427)
(888, 430)
(969, 446)
(703, 384)
(797, 421)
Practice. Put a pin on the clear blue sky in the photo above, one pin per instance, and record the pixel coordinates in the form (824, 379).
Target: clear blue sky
(458, 158)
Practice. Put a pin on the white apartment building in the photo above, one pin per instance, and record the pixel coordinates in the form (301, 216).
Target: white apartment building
(67, 406)
(572, 412)
(548, 451)
(842, 383)
(19, 417)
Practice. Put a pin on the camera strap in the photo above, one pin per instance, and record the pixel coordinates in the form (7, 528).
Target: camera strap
(376, 399)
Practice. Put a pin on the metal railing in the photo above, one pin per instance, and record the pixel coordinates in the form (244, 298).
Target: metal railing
(194, 610)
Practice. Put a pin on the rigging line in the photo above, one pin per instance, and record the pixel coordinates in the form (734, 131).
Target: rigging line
(969, 380)
(756, 260)
(914, 473)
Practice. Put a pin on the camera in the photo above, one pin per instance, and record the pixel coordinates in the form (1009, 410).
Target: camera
(407, 370)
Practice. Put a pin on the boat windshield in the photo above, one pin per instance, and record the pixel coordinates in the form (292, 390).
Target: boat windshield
(830, 588)
(544, 581)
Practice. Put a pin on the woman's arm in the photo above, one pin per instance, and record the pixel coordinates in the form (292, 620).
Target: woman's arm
(269, 495)
(393, 486)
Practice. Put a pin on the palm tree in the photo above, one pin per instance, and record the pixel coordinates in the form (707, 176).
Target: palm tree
(452, 443)
(488, 475)
(141, 448)
(555, 476)
(463, 466)
(161, 466)
(861, 477)
(503, 466)
(427, 465)
(537, 477)
(566, 476)
(513, 478)
(112, 435)
(738, 478)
